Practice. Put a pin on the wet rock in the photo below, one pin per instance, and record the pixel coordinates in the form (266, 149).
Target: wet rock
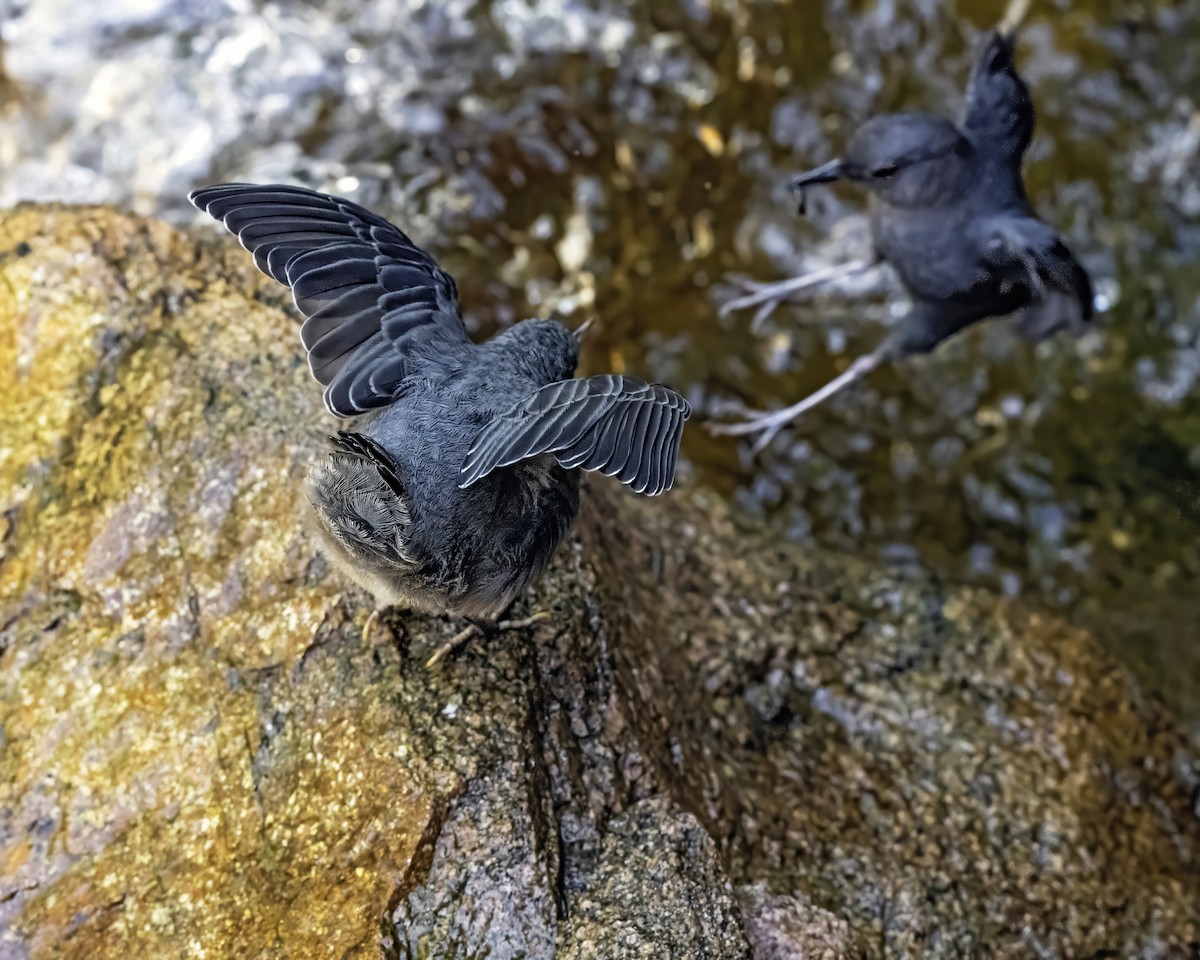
(945, 772)
(492, 884)
(657, 877)
(203, 755)
(718, 748)
(176, 777)
(783, 927)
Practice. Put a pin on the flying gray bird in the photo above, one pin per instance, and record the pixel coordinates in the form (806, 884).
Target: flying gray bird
(950, 214)
(461, 475)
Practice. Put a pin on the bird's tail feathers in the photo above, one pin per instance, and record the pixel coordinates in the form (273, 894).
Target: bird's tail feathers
(998, 112)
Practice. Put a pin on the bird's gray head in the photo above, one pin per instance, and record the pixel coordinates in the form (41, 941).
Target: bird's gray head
(543, 349)
(908, 160)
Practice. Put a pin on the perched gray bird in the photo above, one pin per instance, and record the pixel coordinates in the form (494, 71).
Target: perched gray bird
(461, 477)
(950, 214)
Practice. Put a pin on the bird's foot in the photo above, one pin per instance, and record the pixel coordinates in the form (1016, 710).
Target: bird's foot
(768, 296)
(460, 639)
(768, 424)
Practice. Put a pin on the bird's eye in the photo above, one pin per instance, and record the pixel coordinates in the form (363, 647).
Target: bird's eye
(885, 171)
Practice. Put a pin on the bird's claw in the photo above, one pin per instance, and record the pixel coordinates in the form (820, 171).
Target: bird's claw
(540, 617)
(761, 314)
(372, 622)
(369, 625)
(769, 424)
(459, 639)
(771, 295)
(766, 296)
(766, 423)
(451, 645)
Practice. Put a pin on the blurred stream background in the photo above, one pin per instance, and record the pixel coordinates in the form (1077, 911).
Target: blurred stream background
(631, 160)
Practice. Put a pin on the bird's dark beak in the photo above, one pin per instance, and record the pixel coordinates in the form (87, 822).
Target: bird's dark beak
(582, 329)
(833, 170)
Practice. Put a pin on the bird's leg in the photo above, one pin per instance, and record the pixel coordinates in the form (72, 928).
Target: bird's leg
(483, 629)
(457, 641)
(768, 424)
(524, 623)
(768, 296)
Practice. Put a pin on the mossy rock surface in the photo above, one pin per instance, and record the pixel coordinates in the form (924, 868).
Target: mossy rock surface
(719, 747)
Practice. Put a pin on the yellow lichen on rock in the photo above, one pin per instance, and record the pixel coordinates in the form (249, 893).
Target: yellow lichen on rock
(178, 781)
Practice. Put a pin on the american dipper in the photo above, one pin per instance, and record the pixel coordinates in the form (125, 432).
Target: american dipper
(950, 214)
(461, 476)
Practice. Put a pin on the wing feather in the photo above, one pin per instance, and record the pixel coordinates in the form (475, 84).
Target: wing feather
(623, 443)
(619, 426)
(649, 440)
(373, 301)
(672, 446)
(638, 432)
(659, 456)
(1028, 250)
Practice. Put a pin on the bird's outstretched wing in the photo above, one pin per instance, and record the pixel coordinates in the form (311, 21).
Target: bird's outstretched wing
(1026, 250)
(998, 113)
(371, 298)
(623, 427)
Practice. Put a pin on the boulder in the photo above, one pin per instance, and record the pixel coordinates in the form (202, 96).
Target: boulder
(718, 747)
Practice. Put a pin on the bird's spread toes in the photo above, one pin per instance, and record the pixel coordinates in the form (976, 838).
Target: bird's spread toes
(453, 644)
(768, 296)
(769, 424)
(765, 296)
(461, 638)
(765, 423)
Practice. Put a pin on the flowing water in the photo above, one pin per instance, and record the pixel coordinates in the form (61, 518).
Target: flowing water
(631, 161)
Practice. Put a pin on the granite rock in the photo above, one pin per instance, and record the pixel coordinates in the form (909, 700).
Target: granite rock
(719, 746)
